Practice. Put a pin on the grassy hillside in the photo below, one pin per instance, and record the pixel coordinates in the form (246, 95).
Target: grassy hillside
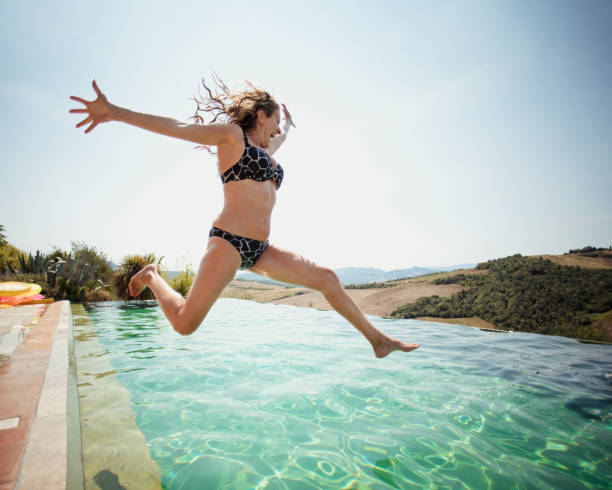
(528, 294)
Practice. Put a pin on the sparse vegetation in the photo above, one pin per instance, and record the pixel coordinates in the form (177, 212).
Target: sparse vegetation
(370, 285)
(182, 282)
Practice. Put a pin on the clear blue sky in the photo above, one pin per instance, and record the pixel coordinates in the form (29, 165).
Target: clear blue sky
(428, 133)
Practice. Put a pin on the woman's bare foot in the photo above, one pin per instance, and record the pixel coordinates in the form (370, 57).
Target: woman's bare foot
(389, 345)
(140, 280)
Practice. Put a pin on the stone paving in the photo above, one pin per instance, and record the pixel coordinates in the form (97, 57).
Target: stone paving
(33, 387)
(14, 325)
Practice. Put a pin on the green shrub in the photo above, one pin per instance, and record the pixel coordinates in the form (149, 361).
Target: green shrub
(81, 271)
(9, 259)
(130, 265)
(99, 295)
(182, 281)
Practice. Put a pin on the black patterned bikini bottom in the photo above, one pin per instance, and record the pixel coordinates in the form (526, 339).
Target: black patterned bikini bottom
(249, 249)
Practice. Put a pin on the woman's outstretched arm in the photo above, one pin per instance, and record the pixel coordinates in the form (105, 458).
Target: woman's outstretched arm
(101, 110)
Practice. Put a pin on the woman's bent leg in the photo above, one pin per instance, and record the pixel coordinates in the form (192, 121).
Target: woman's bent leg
(216, 270)
(289, 267)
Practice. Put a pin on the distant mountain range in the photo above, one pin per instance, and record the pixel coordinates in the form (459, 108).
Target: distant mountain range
(364, 275)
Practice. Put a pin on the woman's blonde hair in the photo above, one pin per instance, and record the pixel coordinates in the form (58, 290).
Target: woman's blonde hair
(224, 106)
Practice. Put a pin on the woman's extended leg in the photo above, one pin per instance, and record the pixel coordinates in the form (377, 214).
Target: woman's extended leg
(288, 267)
(216, 270)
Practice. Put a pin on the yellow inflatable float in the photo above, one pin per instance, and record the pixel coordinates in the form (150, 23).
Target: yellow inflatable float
(16, 293)
(18, 289)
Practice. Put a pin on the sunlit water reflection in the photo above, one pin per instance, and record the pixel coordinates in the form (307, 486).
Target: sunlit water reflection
(273, 396)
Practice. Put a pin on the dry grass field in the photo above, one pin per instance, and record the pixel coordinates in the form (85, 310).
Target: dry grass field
(399, 292)
(373, 301)
(602, 260)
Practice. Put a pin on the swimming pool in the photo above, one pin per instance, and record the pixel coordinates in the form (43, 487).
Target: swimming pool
(271, 396)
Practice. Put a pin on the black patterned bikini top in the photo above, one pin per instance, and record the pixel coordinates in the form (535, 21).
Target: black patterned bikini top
(254, 164)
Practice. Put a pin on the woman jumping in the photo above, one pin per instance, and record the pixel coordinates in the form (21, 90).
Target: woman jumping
(239, 235)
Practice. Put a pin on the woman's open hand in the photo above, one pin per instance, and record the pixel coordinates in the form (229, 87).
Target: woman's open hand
(287, 115)
(98, 111)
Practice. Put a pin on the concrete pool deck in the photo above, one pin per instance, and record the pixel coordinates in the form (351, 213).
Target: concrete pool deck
(34, 378)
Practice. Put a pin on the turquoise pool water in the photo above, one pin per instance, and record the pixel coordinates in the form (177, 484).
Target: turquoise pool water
(269, 396)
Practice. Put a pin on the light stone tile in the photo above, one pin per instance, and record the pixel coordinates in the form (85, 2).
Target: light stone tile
(61, 335)
(65, 318)
(59, 343)
(44, 463)
(59, 355)
(56, 377)
(52, 402)
(58, 363)
(9, 423)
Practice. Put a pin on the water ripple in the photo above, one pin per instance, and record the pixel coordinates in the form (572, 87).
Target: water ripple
(269, 396)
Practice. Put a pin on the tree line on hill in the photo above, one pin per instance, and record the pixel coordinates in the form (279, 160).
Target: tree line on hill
(529, 295)
(589, 251)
